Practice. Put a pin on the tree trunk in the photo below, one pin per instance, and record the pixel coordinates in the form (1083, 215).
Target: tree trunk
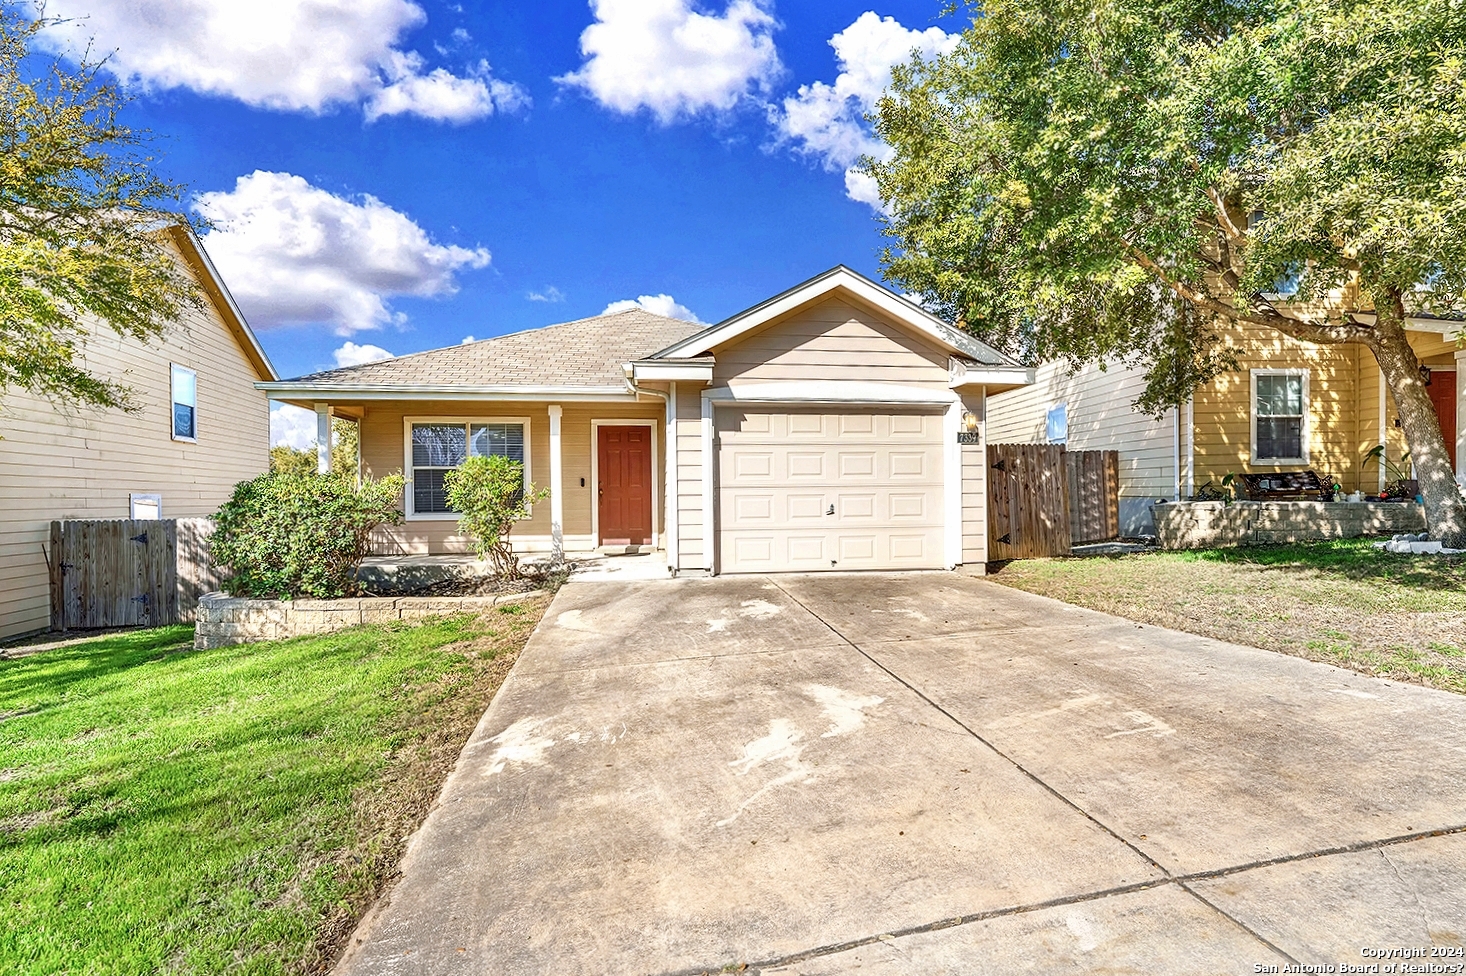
(1445, 509)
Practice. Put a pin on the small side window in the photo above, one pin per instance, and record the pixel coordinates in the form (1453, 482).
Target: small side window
(147, 507)
(1056, 424)
(185, 404)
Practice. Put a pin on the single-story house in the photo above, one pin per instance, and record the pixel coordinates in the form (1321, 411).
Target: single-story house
(201, 427)
(1289, 406)
(835, 426)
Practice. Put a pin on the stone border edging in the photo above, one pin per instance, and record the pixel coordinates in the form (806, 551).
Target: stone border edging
(1206, 525)
(224, 620)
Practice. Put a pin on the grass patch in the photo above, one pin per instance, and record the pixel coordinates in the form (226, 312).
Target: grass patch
(1343, 602)
(233, 810)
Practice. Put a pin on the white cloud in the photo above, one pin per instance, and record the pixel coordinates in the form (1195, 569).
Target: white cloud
(294, 253)
(667, 57)
(550, 294)
(290, 55)
(656, 304)
(467, 339)
(292, 426)
(350, 354)
(828, 121)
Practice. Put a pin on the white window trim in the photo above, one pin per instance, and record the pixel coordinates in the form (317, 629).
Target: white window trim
(173, 368)
(143, 496)
(1306, 430)
(407, 493)
(595, 477)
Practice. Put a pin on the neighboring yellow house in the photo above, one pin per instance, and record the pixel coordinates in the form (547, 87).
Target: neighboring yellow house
(201, 428)
(1289, 406)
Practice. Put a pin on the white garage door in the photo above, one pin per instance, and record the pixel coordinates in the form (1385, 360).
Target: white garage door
(803, 491)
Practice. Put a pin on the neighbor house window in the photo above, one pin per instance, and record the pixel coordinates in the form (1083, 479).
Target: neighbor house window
(437, 447)
(1279, 415)
(1056, 424)
(185, 404)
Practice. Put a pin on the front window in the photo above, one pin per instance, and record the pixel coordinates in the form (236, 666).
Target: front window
(1280, 406)
(185, 404)
(439, 447)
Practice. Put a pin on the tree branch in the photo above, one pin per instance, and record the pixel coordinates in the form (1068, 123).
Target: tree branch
(1272, 319)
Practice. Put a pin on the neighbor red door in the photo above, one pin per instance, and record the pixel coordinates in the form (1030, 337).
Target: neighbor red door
(624, 470)
(1442, 390)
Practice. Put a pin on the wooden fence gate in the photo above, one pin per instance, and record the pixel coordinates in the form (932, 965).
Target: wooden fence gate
(1042, 499)
(129, 572)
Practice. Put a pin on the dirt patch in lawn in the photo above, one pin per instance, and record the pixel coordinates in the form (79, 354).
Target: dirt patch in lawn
(1342, 603)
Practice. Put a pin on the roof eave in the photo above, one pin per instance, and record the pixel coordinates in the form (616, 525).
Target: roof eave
(343, 391)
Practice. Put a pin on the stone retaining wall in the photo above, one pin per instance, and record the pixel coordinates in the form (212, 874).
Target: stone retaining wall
(223, 620)
(1206, 525)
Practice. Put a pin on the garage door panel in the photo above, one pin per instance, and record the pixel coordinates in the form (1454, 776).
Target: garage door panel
(803, 490)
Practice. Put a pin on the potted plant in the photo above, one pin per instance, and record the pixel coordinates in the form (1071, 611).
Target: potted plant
(1400, 486)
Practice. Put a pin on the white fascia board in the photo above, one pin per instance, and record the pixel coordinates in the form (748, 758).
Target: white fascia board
(830, 391)
(312, 391)
(1449, 328)
(208, 263)
(898, 308)
(964, 376)
(670, 372)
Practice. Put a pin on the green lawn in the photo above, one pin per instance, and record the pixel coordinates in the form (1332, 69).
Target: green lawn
(234, 810)
(1343, 602)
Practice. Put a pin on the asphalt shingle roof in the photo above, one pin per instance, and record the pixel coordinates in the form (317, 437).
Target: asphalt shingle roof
(586, 352)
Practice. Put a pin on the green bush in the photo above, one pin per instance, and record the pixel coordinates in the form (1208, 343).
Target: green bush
(490, 495)
(300, 535)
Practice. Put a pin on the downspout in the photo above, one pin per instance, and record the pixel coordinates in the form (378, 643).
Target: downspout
(1176, 448)
(1191, 446)
(669, 476)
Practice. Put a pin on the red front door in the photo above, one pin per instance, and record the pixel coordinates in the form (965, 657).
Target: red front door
(1442, 391)
(624, 470)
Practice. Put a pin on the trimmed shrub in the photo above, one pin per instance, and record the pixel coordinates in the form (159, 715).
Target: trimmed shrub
(300, 535)
(490, 495)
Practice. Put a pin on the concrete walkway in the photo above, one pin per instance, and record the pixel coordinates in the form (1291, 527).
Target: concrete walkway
(926, 774)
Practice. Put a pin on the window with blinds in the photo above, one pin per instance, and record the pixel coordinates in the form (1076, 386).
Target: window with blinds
(438, 448)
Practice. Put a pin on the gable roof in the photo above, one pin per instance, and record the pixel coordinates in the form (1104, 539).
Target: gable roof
(902, 311)
(218, 293)
(585, 356)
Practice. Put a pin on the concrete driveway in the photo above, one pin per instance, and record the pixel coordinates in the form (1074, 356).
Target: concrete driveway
(925, 774)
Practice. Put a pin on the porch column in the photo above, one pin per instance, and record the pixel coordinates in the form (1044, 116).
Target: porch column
(670, 499)
(709, 529)
(557, 486)
(1461, 414)
(323, 438)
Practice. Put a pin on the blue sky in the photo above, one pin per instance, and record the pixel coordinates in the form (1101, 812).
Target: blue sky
(387, 176)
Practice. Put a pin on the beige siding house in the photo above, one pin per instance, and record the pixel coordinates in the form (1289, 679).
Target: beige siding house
(836, 426)
(80, 463)
(1290, 405)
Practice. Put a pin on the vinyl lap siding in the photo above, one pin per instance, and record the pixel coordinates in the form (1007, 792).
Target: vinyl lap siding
(832, 340)
(83, 464)
(1101, 418)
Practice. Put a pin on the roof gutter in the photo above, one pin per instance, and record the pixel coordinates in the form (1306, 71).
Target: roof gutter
(344, 391)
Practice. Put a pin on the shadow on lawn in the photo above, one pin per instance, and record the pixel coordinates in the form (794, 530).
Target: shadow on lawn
(54, 670)
(1353, 560)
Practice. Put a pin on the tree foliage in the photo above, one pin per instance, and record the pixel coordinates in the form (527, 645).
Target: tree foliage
(1120, 181)
(345, 448)
(82, 218)
(489, 495)
(290, 535)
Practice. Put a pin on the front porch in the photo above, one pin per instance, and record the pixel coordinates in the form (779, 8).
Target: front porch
(414, 572)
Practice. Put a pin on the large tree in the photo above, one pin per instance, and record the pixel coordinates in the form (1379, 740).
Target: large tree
(1116, 180)
(81, 212)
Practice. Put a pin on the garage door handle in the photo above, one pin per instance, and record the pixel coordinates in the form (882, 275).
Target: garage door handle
(831, 511)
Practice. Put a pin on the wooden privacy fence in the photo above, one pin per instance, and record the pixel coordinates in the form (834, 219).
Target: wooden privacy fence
(1094, 495)
(129, 572)
(1042, 499)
